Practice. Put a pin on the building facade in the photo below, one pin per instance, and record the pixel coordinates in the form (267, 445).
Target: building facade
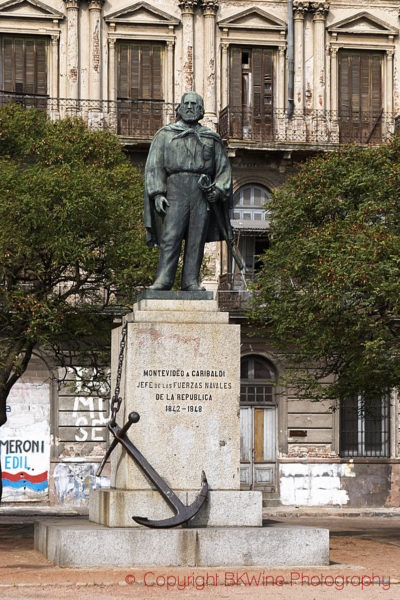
(281, 81)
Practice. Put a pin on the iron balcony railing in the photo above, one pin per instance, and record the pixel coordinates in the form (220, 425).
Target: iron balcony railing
(140, 119)
(235, 292)
(137, 119)
(305, 127)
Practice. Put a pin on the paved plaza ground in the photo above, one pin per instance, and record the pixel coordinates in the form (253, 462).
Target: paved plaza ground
(365, 564)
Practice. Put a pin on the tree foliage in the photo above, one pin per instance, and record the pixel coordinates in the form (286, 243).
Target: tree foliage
(330, 285)
(72, 243)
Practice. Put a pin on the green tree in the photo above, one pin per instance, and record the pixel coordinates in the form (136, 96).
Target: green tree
(72, 242)
(329, 289)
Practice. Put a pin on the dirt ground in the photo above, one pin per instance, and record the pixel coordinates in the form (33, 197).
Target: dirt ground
(365, 564)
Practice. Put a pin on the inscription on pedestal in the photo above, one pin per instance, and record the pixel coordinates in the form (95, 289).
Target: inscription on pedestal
(183, 391)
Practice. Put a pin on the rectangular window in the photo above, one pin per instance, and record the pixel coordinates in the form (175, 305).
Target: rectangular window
(140, 88)
(360, 96)
(364, 429)
(251, 93)
(23, 65)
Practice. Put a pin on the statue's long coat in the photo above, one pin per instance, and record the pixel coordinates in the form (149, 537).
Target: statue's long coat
(176, 148)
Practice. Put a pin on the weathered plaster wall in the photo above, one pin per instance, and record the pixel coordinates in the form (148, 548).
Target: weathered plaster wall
(354, 485)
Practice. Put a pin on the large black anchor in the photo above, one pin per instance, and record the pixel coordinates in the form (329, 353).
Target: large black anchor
(182, 513)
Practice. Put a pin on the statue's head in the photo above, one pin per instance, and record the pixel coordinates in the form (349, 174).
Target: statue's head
(191, 108)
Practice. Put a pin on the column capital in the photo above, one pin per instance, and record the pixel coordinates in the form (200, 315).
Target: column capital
(209, 7)
(333, 51)
(282, 50)
(300, 7)
(96, 4)
(320, 10)
(54, 39)
(390, 53)
(72, 4)
(188, 6)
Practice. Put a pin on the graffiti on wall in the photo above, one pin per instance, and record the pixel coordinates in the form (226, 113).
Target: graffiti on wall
(72, 482)
(25, 443)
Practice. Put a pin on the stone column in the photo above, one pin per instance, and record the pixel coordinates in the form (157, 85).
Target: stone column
(281, 78)
(224, 75)
(72, 53)
(111, 70)
(187, 8)
(388, 120)
(320, 10)
(299, 9)
(112, 85)
(95, 58)
(53, 103)
(209, 8)
(280, 118)
(169, 88)
(334, 82)
(334, 112)
(54, 66)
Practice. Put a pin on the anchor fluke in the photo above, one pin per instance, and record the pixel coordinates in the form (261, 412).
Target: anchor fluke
(183, 513)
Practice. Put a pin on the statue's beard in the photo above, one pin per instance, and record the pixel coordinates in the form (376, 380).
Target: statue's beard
(191, 117)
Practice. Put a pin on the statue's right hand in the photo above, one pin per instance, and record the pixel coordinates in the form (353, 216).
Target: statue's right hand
(161, 204)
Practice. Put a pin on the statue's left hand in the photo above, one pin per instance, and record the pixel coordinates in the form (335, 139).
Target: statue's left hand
(213, 195)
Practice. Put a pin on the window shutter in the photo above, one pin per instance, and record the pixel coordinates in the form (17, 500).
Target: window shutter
(19, 65)
(235, 92)
(41, 67)
(157, 73)
(140, 81)
(123, 51)
(134, 71)
(30, 86)
(360, 96)
(8, 61)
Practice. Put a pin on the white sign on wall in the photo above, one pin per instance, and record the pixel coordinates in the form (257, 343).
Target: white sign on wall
(25, 443)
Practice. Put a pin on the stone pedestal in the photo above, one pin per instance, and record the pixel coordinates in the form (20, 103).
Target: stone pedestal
(182, 375)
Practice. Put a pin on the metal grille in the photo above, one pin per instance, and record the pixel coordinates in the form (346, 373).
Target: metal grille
(255, 394)
(364, 429)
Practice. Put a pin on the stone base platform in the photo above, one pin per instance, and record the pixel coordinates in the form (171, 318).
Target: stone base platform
(222, 508)
(81, 543)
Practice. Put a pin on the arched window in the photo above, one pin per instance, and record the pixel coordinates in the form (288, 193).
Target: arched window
(249, 202)
(249, 222)
(257, 379)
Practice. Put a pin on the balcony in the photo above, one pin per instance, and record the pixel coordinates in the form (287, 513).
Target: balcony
(233, 294)
(136, 121)
(304, 129)
(133, 120)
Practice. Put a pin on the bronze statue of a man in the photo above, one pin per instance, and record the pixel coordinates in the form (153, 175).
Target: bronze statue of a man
(188, 192)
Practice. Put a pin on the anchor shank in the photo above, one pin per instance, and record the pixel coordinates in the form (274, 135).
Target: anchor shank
(146, 467)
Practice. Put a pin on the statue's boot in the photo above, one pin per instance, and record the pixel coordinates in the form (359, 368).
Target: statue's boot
(159, 286)
(194, 287)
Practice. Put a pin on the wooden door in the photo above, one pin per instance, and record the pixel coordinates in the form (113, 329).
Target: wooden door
(360, 97)
(258, 448)
(251, 93)
(140, 94)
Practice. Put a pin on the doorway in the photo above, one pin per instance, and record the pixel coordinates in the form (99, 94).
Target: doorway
(258, 424)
